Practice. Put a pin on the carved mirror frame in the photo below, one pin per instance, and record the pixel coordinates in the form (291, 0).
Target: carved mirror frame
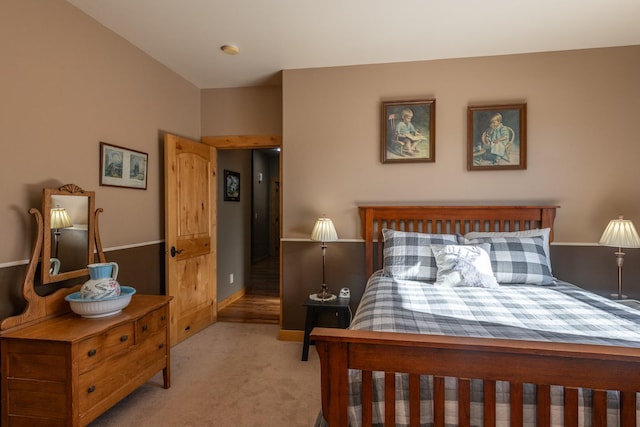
(49, 201)
(42, 307)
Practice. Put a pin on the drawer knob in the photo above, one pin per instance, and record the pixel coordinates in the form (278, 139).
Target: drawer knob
(187, 328)
(161, 346)
(144, 328)
(124, 338)
(91, 389)
(163, 317)
(92, 352)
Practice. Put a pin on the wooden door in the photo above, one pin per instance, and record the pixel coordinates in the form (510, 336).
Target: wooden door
(190, 235)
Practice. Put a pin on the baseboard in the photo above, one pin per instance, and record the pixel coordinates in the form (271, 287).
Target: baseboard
(231, 299)
(288, 335)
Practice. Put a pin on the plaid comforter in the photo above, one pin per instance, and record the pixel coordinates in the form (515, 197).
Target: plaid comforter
(558, 312)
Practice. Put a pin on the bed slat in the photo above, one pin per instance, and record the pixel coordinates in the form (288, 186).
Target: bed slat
(414, 400)
(464, 402)
(543, 405)
(628, 409)
(570, 406)
(515, 404)
(367, 398)
(599, 404)
(438, 401)
(389, 398)
(489, 407)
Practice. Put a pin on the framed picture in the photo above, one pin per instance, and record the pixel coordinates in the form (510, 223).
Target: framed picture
(408, 131)
(123, 167)
(231, 186)
(497, 137)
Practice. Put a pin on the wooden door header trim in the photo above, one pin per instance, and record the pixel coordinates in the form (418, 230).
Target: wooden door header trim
(230, 142)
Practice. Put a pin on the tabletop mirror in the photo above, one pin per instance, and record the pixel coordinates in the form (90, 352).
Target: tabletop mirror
(68, 241)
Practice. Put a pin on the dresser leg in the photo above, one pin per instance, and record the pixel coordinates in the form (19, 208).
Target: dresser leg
(166, 376)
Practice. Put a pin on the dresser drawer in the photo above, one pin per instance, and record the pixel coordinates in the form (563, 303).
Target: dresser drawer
(103, 381)
(35, 360)
(112, 380)
(151, 323)
(98, 348)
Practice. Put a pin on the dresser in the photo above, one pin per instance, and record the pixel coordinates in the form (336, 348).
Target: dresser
(67, 370)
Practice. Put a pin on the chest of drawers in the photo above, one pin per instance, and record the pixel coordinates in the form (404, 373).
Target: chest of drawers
(68, 370)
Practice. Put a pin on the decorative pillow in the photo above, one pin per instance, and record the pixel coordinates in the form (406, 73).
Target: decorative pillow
(408, 255)
(544, 232)
(518, 259)
(464, 265)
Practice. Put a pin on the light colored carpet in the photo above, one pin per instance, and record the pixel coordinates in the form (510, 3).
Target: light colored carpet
(230, 374)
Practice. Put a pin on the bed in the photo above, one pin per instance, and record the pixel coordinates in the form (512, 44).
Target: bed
(419, 353)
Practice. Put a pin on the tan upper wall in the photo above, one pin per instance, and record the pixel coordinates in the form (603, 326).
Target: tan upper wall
(583, 146)
(68, 83)
(242, 111)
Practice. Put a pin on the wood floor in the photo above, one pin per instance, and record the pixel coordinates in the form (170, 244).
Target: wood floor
(261, 302)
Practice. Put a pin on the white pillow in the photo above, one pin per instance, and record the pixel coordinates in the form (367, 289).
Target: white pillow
(464, 265)
(544, 232)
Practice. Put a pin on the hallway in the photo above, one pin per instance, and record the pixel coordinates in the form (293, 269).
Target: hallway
(261, 302)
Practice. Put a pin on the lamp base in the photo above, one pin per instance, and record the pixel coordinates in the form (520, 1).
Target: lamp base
(323, 295)
(618, 296)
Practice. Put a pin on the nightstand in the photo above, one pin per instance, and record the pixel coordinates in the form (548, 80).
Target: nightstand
(339, 307)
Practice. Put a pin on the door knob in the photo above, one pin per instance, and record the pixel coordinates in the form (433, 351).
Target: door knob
(175, 252)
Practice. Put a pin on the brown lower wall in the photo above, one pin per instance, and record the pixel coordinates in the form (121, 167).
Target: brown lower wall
(140, 267)
(592, 267)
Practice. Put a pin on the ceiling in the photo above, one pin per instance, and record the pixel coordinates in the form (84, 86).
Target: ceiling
(273, 35)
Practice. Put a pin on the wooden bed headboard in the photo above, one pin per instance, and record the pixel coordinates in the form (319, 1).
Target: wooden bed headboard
(447, 219)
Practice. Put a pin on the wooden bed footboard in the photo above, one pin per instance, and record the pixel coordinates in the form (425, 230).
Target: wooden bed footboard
(544, 364)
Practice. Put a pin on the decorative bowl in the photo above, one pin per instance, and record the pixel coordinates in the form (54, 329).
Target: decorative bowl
(94, 308)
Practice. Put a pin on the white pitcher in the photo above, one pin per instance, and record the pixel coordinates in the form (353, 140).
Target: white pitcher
(102, 283)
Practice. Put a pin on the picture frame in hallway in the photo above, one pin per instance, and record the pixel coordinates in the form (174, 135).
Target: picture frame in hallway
(231, 186)
(497, 137)
(123, 167)
(408, 131)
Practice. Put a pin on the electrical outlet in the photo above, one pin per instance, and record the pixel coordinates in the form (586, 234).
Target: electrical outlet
(231, 278)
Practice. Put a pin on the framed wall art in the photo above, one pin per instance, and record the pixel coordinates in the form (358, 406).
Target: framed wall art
(231, 186)
(497, 137)
(123, 167)
(408, 131)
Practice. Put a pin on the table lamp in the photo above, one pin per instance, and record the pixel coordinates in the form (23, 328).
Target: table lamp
(323, 231)
(620, 233)
(59, 219)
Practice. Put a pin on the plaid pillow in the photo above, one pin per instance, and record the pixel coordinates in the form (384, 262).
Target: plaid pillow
(518, 259)
(543, 232)
(408, 255)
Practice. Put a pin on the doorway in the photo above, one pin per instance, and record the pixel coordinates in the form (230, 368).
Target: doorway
(258, 300)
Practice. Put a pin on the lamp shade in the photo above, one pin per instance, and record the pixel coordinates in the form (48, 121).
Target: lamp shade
(620, 233)
(324, 231)
(60, 218)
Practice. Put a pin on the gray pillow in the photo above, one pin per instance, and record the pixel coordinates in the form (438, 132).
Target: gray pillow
(518, 259)
(408, 255)
(543, 232)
